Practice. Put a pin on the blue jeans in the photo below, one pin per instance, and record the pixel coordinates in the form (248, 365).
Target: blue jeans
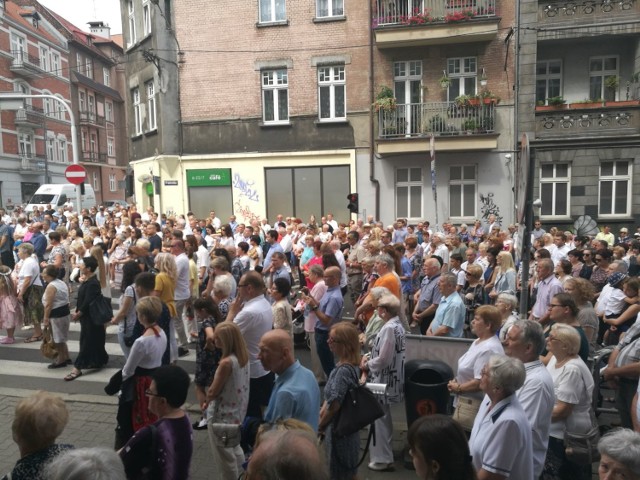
(324, 353)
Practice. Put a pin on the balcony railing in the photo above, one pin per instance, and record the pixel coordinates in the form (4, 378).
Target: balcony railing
(89, 117)
(94, 157)
(32, 163)
(591, 11)
(440, 119)
(424, 12)
(29, 115)
(23, 62)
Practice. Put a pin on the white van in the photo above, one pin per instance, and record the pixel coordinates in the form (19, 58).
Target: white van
(57, 194)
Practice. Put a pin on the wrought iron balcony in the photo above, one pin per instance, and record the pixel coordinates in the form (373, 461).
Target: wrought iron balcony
(32, 163)
(93, 157)
(29, 116)
(25, 64)
(587, 11)
(87, 117)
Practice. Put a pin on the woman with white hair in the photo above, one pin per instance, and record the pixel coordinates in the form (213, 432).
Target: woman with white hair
(619, 455)
(573, 387)
(221, 294)
(500, 442)
(507, 304)
(97, 463)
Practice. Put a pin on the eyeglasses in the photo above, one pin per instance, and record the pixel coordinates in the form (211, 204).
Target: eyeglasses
(149, 393)
(586, 254)
(551, 305)
(598, 259)
(240, 285)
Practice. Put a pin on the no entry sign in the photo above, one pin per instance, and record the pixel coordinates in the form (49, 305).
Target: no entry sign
(75, 174)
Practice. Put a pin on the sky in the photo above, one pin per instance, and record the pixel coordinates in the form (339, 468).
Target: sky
(79, 12)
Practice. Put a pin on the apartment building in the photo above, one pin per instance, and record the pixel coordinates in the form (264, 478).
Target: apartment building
(579, 103)
(35, 140)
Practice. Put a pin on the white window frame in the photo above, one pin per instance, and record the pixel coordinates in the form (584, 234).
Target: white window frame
(111, 147)
(276, 83)
(26, 147)
(151, 105)
(268, 13)
(137, 111)
(83, 140)
(106, 76)
(19, 45)
(79, 65)
(146, 18)
(408, 184)
(45, 58)
(56, 67)
(89, 68)
(82, 101)
(555, 180)
(60, 113)
(48, 105)
(113, 184)
(93, 143)
(108, 111)
(460, 69)
(51, 148)
(327, 9)
(546, 77)
(462, 182)
(132, 23)
(62, 149)
(96, 182)
(614, 178)
(332, 77)
(604, 74)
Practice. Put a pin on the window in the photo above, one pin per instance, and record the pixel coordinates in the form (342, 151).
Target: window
(601, 71)
(25, 144)
(409, 193)
(462, 76)
(548, 80)
(272, 11)
(151, 105)
(81, 101)
(91, 104)
(51, 148)
(106, 76)
(462, 191)
(146, 19)
(60, 112)
(110, 147)
(18, 47)
(62, 149)
(83, 141)
(132, 23)
(112, 182)
(329, 8)
(89, 68)
(407, 84)
(554, 189)
(96, 182)
(55, 64)
(93, 143)
(48, 105)
(275, 96)
(79, 63)
(44, 58)
(331, 93)
(137, 114)
(615, 188)
(108, 111)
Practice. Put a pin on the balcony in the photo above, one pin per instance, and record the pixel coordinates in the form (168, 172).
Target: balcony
(32, 163)
(93, 157)
(25, 64)
(589, 121)
(592, 13)
(407, 128)
(29, 116)
(413, 23)
(90, 118)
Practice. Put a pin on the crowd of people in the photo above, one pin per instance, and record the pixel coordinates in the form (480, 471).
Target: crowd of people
(233, 290)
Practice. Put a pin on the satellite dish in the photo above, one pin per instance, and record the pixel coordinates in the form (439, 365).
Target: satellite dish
(145, 178)
(585, 225)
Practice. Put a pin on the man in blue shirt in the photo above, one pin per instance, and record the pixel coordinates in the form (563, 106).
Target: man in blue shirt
(449, 319)
(274, 246)
(295, 393)
(38, 241)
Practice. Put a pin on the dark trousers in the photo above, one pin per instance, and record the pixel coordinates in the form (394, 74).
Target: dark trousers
(8, 259)
(626, 391)
(259, 394)
(324, 352)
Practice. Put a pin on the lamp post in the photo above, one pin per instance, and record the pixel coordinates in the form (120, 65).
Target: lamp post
(7, 97)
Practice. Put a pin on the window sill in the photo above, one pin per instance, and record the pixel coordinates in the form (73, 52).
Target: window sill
(275, 125)
(337, 18)
(332, 122)
(137, 136)
(151, 132)
(279, 23)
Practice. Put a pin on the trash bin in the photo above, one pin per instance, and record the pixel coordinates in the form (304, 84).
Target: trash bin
(425, 388)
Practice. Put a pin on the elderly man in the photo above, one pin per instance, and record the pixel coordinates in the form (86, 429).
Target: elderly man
(295, 393)
(449, 319)
(548, 286)
(440, 250)
(328, 312)
(384, 265)
(182, 293)
(428, 297)
(525, 341)
(355, 256)
(252, 313)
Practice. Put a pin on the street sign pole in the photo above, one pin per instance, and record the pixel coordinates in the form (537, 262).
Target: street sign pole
(74, 133)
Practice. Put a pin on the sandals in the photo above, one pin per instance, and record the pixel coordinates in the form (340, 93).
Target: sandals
(33, 339)
(58, 365)
(72, 376)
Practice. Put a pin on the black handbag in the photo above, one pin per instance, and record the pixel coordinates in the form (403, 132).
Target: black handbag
(359, 409)
(100, 310)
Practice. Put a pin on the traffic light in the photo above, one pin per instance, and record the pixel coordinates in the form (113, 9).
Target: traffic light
(353, 202)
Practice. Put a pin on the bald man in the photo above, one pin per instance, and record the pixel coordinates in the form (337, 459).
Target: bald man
(295, 392)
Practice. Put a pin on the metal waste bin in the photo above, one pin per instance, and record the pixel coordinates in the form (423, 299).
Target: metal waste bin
(425, 388)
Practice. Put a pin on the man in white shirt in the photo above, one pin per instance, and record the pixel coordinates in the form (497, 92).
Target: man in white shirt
(332, 222)
(561, 250)
(525, 341)
(441, 250)
(182, 293)
(215, 221)
(251, 312)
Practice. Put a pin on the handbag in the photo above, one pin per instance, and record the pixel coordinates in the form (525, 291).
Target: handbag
(100, 310)
(225, 435)
(359, 408)
(115, 383)
(582, 448)
(47, 347)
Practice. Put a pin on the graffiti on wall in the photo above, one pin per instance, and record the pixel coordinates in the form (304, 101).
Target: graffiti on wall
(246, 188)
(244, 211)
(488, 207)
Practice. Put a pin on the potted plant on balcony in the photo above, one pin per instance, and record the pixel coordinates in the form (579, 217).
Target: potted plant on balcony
(384, 100)
(587, 103)
(470, 125)
(444, 82)
(487, 97)
(611, 84)
(553, 103)
(437, 124)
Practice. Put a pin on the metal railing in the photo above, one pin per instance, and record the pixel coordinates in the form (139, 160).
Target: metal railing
(439, 118)
(32, 163)
(30, 114)
(87, 116)
(422, 12)
(22, 57)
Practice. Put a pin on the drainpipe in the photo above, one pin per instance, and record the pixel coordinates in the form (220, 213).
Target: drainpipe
(372, 153)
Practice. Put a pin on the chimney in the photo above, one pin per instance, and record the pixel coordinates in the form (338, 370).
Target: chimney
(100, 28)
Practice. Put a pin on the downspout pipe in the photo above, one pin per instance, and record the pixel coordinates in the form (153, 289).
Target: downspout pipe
(372, 152)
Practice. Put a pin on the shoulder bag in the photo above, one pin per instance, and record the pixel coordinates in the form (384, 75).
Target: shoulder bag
(225, 435)
(100, 310)
(359, 409)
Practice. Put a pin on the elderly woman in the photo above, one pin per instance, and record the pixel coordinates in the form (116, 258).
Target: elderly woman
(281, 308)
(619, 455)
(466, 385)
(56, 313)
(81, 463)
(500, 442)
(473, 292)
(582, 291)
(573, 387)
(507, 305)
(385, 365)
(30, 290)
(39, 420)
(221, 294)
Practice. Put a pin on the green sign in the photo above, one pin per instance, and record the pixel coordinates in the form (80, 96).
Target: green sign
(209, 177)
(149, 188)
